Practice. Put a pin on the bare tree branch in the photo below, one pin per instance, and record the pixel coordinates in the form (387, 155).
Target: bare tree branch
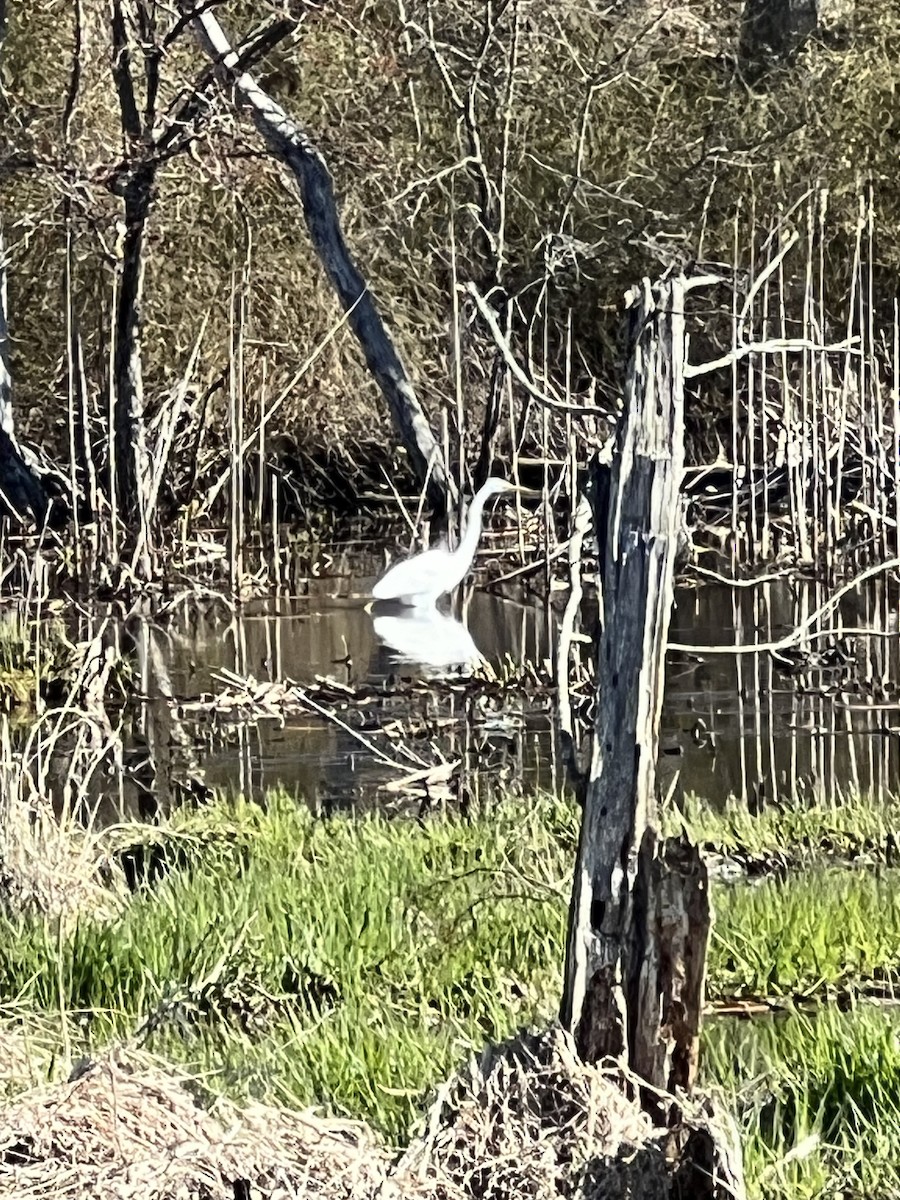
(772, 346)
(516, 369)
(289, 142)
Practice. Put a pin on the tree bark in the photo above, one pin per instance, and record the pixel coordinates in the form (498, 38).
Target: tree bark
(637, 929)
(7, 422)
(130, 442)
(288, 142)
(135, 185)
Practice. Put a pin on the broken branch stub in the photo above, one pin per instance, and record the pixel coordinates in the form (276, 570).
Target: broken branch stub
(639, 912)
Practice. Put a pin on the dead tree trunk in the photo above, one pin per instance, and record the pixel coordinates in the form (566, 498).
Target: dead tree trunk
(130, 443)
(134, 184)
(289, 142)
(639, 913)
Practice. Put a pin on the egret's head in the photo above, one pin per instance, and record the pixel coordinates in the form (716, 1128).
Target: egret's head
(496, 486)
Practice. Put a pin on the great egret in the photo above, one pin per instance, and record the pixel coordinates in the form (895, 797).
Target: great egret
(421, 579)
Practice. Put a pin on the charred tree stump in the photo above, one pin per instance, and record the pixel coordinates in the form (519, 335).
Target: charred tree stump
(639, 916)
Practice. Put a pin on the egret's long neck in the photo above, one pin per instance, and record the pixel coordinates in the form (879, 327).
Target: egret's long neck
(468, 543)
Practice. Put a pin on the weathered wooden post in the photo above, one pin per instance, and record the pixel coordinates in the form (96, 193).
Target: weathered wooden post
(639, 916)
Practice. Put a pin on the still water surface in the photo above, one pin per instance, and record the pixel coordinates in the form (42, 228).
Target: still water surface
(820, 715)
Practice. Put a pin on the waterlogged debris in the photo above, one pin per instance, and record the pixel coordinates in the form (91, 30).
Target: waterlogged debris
(432, 782)
(407, 726)
(513, 672)
(247, 699)
(244, 698)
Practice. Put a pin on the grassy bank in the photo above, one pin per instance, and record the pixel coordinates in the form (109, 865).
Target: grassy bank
(817, 1100)
(355, 964)
(851, 828)
(347, 962)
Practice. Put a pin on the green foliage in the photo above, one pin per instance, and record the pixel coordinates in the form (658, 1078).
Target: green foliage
(825, 927)
(355, 963)
(35, 656)
(850, 826)
(817, 1100)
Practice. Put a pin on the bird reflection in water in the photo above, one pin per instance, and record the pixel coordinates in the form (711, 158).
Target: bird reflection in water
(425, 637)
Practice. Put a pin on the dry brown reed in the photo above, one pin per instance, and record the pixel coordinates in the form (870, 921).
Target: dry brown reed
(529, 1120)
(813, 427)
(50, 863)
(124, 1129)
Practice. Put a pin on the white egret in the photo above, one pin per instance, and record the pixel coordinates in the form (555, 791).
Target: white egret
(420, 580)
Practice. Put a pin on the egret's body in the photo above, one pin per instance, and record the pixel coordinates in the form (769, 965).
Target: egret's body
(422, 579)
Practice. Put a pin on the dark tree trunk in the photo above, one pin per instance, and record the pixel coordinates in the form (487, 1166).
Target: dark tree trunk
(131, 455)
(637, 929)
(289, 142)
(21, 489)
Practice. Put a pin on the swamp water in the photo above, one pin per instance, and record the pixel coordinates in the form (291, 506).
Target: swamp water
(818, 714)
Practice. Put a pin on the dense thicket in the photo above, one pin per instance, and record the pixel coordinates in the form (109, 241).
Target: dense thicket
(550, 150)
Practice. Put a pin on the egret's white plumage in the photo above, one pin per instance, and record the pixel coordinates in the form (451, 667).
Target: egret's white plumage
(420, 580)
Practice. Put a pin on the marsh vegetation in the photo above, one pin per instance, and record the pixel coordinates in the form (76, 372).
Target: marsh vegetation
(278, 284)
(355, 962)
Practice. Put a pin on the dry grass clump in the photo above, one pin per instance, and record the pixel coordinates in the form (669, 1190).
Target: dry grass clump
(528, 1121)
(532, 1121)
(29, 1046)
(52, 865)
(125, 1131)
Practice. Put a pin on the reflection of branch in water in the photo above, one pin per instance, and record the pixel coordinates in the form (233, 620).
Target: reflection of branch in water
(729, 581)
(803, 629)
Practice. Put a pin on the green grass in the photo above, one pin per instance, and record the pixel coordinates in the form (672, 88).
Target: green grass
(850, 827)
(821, 928)
(349, 962)
(817, 1100)
(355, 963)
